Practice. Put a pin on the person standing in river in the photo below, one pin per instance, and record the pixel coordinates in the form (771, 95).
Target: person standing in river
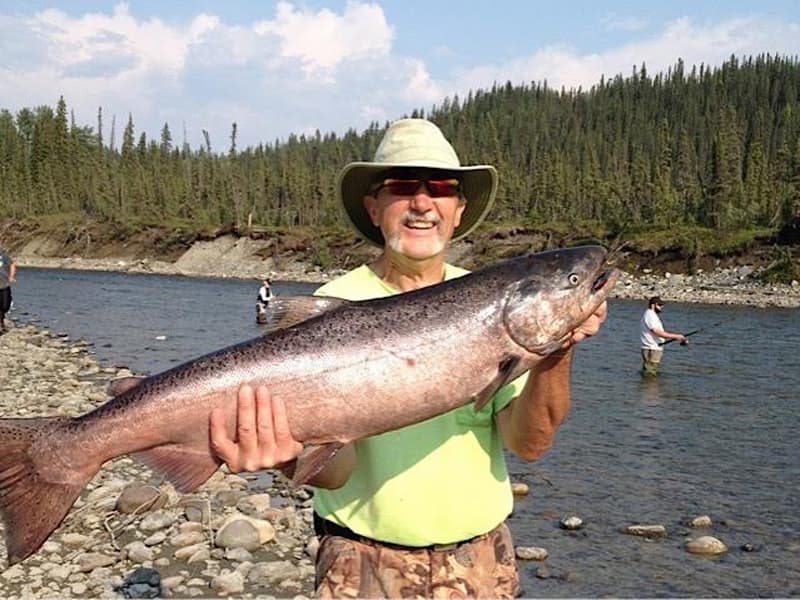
(394, 521)
(8, 275)
(653, 335)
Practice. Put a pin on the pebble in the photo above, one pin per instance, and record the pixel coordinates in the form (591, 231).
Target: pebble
(531, 553)
(136, 497)
(571, 523)
(707, 545)
(238, 534)
(520, 489)
(701, 521)
(647, 531)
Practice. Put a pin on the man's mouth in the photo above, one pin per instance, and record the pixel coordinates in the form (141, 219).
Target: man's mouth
(419, 224)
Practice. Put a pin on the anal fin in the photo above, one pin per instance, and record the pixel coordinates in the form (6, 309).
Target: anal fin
(185, 468)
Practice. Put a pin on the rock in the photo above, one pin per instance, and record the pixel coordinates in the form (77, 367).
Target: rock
(187, 538)
(197, 510)
(312, 547)
(159, 519)
(90, 561)
(157, 538)
(137, 498)
(531, 553)
(272, 572)
(571, 523)
(707, 545)
(226, 584)
(647, 531)
(187, 552)
(138, 552)
(519, 489)
(265, 529)
(74, 540)
(255, 505)
(142, 583)
(238, 534)
(237, 555)
(701, 521)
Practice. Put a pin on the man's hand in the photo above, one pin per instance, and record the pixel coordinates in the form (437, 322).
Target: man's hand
(263, 438)
(589, 327)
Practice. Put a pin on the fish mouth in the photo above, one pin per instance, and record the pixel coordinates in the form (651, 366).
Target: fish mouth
(606, 277)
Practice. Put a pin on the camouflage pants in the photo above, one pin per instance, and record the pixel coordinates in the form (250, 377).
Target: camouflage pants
(651, 361)
(481, 568)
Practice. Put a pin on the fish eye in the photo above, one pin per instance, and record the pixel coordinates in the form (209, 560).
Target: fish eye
(573, 279)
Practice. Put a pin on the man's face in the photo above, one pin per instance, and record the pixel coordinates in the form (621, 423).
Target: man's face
(658, 307)
(416, 224)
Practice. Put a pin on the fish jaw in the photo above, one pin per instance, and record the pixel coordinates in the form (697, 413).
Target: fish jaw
(562, 289)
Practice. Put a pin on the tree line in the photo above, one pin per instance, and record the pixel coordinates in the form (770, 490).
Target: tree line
(717, 147)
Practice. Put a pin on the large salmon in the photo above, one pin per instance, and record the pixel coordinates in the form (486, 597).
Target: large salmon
(355, 370)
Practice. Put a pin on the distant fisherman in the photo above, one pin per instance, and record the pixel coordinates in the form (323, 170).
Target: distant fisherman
(8, 274)
(654, 335)
(265, 295)
(419, 511)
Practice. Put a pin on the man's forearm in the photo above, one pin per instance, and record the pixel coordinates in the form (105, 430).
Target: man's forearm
(529, 423)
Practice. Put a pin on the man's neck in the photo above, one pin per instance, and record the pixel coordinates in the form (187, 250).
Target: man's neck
(405, 274)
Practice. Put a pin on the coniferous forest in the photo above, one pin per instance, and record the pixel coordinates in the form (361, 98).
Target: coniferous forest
(715, 147)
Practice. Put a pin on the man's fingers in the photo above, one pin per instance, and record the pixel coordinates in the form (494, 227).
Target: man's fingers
(246, 434)
(224, 446)
(287, 447)
(266, 433)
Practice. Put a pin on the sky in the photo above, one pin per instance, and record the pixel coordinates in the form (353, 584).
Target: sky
(292, 66)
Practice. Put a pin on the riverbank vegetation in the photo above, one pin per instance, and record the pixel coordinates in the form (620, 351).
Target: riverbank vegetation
(693, 163)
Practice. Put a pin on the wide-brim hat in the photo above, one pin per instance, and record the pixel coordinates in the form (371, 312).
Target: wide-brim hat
(415, 143)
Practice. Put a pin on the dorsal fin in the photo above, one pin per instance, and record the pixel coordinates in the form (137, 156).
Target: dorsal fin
(119, 386)
(285, 311)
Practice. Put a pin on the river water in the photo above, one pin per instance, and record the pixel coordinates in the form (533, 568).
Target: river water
(716, 434)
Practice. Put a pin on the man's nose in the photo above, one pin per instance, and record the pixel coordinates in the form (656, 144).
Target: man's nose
(421, 201)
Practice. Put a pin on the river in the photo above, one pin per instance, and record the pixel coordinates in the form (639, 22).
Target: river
(716, 434)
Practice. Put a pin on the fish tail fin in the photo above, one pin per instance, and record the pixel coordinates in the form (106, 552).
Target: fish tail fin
(30, 506)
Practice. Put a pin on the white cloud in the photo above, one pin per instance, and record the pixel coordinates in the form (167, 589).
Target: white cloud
(613, 22)
(695, 44)
(300, 70)
(322, 40)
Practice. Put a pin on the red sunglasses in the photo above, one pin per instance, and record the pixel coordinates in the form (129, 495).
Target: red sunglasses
(437, 188)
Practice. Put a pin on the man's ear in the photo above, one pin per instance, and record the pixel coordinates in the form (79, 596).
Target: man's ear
(462, 205)
(371, 206)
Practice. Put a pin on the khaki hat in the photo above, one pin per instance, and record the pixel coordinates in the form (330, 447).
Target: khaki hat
(415, 143)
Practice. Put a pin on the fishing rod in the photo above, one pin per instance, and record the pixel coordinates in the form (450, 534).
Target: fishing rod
(690, 333)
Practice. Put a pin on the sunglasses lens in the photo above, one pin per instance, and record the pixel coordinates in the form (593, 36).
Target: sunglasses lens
(443, 187)
(437, 188)
(403, 187)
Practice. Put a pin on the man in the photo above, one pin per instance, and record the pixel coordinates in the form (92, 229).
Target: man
(653, 336)
(8, 275)
(264, 296)
(418, 511)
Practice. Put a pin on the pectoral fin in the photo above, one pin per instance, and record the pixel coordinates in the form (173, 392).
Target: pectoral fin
(505, 374)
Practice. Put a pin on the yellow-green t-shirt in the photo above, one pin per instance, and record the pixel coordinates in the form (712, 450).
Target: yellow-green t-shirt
(437, 482)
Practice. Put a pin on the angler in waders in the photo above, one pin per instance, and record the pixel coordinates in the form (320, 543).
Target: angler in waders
(654, 336)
